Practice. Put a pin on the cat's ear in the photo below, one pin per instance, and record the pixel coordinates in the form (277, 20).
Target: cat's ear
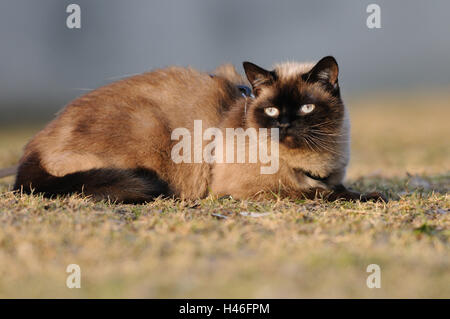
(258, 77)
(326, 72)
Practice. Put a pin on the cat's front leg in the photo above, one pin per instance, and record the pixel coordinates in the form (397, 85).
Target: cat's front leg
(374, 196)
(340, 192)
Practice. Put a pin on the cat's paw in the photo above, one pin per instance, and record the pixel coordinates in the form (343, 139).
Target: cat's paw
(224, 197)
(374, 196)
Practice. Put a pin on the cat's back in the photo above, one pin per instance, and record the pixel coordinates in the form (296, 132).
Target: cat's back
(124, 123)
(177, 94)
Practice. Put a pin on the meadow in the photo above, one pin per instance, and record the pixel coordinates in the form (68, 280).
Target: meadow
(223, 248)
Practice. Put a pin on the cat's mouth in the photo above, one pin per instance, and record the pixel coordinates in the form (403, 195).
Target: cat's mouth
(288, 139)
(291, 140)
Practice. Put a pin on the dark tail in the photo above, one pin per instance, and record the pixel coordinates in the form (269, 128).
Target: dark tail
(5, 172)
(121, 185)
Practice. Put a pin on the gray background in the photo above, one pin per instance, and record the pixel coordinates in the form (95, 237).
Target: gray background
(43, 64)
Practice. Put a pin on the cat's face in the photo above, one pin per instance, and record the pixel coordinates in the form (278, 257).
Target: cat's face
(302, 102)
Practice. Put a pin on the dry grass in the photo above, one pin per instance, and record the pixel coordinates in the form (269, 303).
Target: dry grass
(288, 249)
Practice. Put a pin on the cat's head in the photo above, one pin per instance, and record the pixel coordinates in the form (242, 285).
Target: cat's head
(302, 100)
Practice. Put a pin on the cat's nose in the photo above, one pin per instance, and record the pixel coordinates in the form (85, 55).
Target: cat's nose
(284, 125)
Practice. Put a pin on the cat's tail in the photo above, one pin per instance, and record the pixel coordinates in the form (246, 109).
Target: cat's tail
(121, 185)
(9, 171)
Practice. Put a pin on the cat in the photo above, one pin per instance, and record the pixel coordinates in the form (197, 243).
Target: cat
(116, 141)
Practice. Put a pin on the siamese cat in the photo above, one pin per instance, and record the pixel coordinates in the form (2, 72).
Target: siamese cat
(116, 142)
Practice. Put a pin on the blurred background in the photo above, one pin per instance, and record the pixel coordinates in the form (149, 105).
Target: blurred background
(44, 64)
(395, 82)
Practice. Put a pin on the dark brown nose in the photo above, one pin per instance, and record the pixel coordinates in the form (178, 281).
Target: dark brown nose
(284, 125)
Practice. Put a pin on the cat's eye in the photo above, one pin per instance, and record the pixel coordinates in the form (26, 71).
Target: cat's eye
(307, 108)
(272, 111)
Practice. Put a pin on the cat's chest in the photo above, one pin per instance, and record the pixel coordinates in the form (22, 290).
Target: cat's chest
(320, 165)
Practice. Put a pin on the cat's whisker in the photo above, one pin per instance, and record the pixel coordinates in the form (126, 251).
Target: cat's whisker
(323, 145)
(317, 143)
(329, 141)
(309, 144)
(323, 124)
(324, 130)
(327, 134)
(321, 138)
(316, 147)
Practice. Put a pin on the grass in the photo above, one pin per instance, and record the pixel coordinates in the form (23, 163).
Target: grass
(226, 248)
